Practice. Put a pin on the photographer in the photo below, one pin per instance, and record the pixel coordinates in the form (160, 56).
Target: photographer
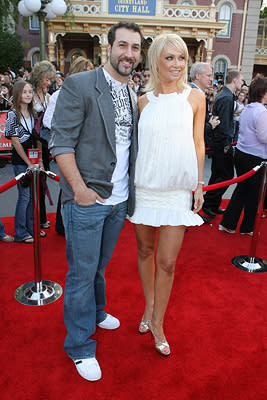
(5, 100)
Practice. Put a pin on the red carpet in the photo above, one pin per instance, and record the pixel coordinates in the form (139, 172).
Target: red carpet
(215, 324)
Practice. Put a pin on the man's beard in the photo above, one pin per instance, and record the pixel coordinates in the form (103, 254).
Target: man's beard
(119, 69)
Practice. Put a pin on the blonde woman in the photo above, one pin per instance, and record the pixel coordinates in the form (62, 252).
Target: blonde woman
(42, 75)
(169, 167)
(80, 64)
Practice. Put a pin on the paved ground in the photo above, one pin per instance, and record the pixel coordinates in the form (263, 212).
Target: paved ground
(8, 199)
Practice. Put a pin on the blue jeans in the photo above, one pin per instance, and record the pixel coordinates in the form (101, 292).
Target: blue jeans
(91, 235)
(24, 209)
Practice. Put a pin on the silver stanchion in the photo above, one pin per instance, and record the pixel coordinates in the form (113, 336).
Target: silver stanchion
(38, 292)
(252, 263)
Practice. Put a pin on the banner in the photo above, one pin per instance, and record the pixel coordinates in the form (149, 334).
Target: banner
(5, 144)
(132, 7)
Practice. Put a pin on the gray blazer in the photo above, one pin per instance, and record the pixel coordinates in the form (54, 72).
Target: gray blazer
(84, 121)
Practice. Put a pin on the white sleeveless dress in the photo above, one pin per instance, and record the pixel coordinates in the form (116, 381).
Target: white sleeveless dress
(166, 166)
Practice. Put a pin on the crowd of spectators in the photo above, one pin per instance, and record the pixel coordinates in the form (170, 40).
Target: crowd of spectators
(137, 81)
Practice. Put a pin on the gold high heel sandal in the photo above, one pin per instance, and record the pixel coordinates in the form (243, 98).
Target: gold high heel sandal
(162, 347)
(144, 327)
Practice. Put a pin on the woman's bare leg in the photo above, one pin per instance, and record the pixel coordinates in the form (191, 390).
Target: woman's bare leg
(169, 243)
(146, 244)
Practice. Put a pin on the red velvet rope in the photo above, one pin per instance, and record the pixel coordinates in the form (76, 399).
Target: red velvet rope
(232, 144)
(17, 178)
(12, 183)
(231, 181)
(53, 176)
(56, 177)
(8, 185)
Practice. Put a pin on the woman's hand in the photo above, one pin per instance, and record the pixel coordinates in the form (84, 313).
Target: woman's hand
(198, 199)
(41, 164)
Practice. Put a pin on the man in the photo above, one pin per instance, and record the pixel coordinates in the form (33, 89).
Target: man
(222, 167)
(244, 90)
(94, 140)
(146, 77)
(27, 73)
(11, 72)
(8, 79)
(137, 81)
(201, 75)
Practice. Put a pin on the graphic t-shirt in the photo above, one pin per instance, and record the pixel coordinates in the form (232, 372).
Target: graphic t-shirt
(123, 131)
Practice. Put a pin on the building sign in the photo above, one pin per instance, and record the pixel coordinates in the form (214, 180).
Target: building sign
(132, 7)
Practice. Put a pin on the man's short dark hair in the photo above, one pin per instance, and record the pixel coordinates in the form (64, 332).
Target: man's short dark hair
(231, 75)
(132, 26)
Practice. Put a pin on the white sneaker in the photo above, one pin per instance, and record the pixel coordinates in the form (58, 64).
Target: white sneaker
(88, 368)
(109, 322)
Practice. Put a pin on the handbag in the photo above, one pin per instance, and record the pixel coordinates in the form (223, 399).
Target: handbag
(41, 132)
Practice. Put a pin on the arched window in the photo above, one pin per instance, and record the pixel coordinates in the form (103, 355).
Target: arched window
(225, 15)
(75, 53)
(35, 58)
(220, 69)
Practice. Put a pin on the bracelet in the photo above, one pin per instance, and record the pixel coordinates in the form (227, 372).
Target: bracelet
(201, 183)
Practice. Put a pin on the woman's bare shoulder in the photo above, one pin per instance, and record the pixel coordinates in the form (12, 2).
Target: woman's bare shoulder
(197, 93)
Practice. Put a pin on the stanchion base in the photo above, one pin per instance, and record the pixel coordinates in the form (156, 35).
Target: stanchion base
(33, 294)
(249, 264)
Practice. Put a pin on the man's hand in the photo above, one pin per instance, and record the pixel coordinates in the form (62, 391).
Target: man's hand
(87, 197)
(214, 121)
(83, 195)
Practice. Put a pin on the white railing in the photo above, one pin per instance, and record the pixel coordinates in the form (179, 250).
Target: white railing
(82, 7)
(182, 12)
(261, 51)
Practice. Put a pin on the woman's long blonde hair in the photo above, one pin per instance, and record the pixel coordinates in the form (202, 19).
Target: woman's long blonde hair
(40, 70)
(79, 65)
(154, 52)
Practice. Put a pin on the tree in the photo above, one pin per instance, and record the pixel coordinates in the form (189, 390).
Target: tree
(8, 10)
(263, 12)
(11, 52)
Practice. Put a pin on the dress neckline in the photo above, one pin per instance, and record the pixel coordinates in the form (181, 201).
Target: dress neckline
(170, 95)
(166, 94)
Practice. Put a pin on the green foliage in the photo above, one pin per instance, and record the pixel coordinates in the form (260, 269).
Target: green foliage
(8, 9)
(11, 52)
(25, 44)
(263, 13)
